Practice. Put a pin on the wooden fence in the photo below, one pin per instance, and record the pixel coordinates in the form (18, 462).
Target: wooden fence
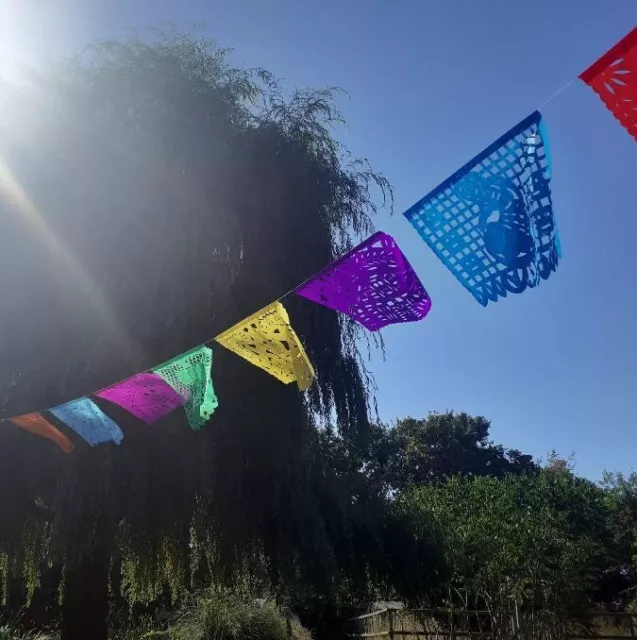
(448, 624)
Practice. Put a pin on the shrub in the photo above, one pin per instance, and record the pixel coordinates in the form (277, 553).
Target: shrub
(223, 615)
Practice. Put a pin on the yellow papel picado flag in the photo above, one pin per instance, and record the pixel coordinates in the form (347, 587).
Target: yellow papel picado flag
(267, 340)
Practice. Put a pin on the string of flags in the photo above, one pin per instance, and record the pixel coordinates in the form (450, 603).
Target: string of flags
(491, 223)
(374, 284)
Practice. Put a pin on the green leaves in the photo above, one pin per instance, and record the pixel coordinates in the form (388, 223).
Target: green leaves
(532, 537)
(433, 449)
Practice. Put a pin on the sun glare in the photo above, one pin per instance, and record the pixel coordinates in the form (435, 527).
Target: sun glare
(13, 51)
(20, 204)
(21, 98)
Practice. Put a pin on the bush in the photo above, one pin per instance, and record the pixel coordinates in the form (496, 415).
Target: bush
(223, 615)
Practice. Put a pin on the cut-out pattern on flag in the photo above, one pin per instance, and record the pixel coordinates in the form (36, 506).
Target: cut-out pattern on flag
(147, 396)
(374, 284)
(37, 423)
(491, 223)
(88, 421)
(267, 340)
(614, 78)
(189, 375)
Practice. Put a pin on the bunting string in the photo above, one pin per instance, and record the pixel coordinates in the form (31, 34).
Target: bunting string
(373, 283)
(491, 223)
(556, 94)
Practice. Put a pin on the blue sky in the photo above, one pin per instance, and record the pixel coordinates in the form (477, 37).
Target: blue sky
(431, 83)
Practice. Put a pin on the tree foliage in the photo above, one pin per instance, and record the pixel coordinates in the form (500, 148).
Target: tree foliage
(151, 196)
(430, 450)
(618, 585)
(533, 541)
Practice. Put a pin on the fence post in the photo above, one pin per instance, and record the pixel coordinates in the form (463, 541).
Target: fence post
(390, 619)
(632, 625)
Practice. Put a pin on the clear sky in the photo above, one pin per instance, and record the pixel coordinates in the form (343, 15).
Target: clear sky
(431, 83)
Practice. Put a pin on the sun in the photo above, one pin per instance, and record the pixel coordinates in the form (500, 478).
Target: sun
(15, 53)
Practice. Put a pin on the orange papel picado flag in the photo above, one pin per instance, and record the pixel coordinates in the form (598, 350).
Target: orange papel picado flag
(36, 423)
(267, 340)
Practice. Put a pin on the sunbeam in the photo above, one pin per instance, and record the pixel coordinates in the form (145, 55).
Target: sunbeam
(19, 204)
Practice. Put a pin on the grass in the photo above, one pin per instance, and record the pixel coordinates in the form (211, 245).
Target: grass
(8, 632)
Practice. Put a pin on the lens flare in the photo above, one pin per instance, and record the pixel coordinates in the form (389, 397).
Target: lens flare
(19, 203)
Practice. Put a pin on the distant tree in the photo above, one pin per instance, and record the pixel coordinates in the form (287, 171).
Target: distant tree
(556, 463)
(433, 449)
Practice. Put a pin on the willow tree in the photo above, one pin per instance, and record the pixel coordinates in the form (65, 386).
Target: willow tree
(152, 196)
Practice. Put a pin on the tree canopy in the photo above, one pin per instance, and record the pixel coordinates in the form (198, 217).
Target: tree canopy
(152, 195)
(433, 449)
